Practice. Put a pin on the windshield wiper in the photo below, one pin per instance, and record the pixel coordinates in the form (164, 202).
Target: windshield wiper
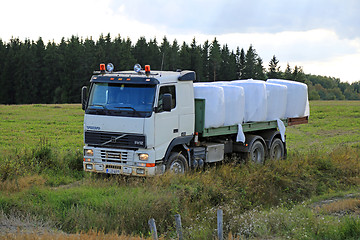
(99, 105)
(134, 110)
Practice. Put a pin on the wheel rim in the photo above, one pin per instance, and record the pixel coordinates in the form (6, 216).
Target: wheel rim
(257, 155)
(177, 167)
(276, 152)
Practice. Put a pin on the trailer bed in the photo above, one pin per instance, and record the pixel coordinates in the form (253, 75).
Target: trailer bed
(228, 130)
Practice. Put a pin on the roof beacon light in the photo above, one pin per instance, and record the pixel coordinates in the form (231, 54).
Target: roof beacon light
(147, 69)
(110, 67)
(102, 68)
(137, 68)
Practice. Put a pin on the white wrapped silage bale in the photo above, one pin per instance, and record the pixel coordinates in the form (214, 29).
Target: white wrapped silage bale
(276, 101)
(234, 97)
(255, 99)
(297, 104)
(214, 104)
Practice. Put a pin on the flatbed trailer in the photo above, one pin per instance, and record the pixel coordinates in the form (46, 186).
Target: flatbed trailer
(246, 127)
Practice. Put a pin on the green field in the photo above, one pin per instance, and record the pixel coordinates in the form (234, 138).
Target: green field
(42, 180)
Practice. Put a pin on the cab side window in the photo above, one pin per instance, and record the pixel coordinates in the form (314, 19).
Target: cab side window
(166, 89)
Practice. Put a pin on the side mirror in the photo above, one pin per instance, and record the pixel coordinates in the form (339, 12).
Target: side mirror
(167, 102)
(83, 97)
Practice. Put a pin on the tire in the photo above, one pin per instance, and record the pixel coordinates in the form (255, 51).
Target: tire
(177, 163)
(277, 150)
(257, 152)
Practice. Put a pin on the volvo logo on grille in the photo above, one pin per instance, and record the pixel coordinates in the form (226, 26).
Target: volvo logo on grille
(113, 139)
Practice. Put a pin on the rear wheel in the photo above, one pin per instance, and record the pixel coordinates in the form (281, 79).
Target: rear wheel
(257, 152)
(177, 163)
(277, 149)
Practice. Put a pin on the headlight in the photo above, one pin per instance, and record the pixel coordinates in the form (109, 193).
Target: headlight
(89, 152)
(143, 156)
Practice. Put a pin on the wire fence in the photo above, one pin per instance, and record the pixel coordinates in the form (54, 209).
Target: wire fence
(179, 232)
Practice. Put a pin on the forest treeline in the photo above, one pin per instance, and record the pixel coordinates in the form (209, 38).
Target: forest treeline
(35, 72)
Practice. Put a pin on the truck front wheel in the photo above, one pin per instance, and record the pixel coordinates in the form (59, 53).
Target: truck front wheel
(177, 163)
(277, 149)
(257, 152)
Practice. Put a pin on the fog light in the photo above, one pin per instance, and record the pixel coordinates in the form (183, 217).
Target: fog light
(143, 156)
(89, 152)
(140, 171)
(140, 164)
(89, 166)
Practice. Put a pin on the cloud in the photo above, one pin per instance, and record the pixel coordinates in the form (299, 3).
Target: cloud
(308, 33)
(231, 16)
(85, 18)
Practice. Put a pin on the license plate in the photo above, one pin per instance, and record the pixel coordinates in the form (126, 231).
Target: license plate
(112, 171)
(127, 170)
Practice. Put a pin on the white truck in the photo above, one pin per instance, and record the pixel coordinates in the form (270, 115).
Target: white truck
(143, 123)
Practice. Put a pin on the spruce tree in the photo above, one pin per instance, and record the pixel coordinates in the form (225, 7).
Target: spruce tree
(274, 69)
(195, 58)
(288, 73)
(140, 51)
(214, 60)
(259, 69)
(250, 63)
(174, 60)
(185, 59)
(165, 54)
(205, 62)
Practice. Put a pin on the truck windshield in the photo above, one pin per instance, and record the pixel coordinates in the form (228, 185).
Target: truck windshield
(121, 99)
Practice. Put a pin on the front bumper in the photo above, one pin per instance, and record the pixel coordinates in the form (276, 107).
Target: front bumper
(121, 161)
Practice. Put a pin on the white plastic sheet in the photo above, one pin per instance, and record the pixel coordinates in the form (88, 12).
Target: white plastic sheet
(214, 104)
(255, 99)
(276, 101)
(282, 129)
(240, 135)
(297, 98)
(234, 97)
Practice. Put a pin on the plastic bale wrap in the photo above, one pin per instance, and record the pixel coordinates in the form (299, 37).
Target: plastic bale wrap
(234, 97)
(276, 101)
(214, 104)
(297, 104)
(255, 99)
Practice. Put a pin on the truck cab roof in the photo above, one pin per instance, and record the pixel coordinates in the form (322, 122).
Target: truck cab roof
(154, 77)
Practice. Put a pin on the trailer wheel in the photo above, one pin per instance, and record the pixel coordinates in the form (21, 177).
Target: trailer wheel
(257, 152)
(177, 163)
(277, 149)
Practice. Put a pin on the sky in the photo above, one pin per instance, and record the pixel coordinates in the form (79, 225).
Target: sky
(321, 36)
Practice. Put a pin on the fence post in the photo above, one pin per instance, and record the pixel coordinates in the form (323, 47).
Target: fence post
(220, 224)
(152, 226)
(178, 226)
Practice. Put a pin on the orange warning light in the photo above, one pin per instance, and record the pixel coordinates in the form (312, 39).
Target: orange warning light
(147, 69)
(102, 67)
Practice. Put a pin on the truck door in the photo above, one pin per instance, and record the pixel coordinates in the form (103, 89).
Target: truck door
(166, 123)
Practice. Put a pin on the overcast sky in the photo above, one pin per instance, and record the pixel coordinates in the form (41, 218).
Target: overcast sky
(322, 36)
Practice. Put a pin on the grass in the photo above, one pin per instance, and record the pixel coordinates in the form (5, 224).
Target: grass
(41, 176)
(331, 124)
(22, 126)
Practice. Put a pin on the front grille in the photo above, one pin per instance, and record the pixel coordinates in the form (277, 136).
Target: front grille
(115, 156)
(115, 140)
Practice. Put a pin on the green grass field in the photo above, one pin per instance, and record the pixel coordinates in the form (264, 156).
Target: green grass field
(41, 177)
(332, 124)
